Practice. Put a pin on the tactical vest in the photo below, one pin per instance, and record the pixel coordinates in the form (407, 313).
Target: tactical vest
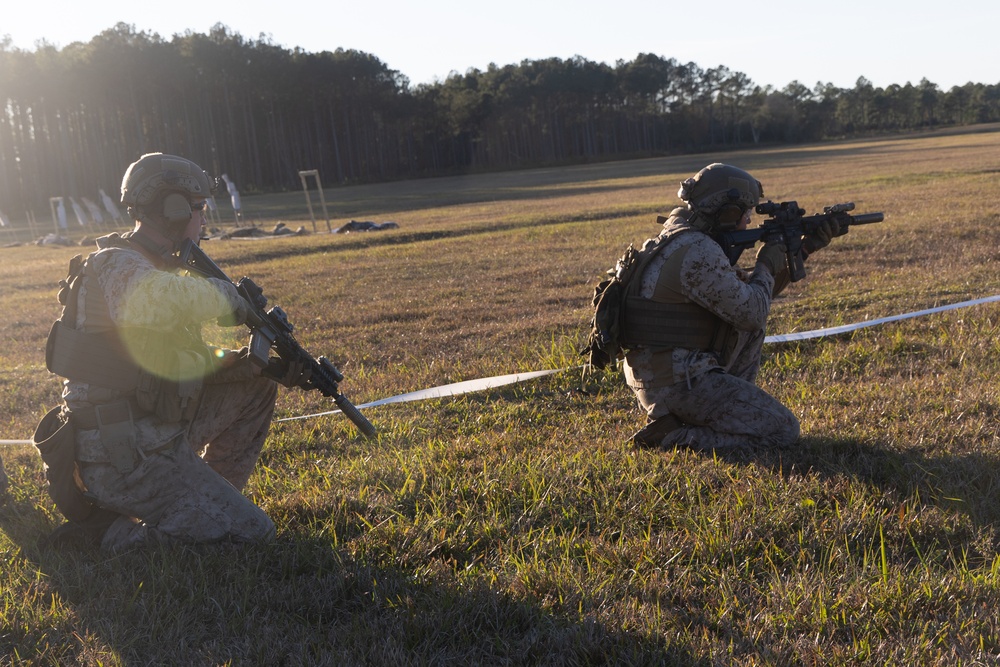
(174, 361)
(669, 319)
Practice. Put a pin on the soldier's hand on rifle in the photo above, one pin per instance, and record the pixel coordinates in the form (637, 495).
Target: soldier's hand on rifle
(773, 255)
(291, 374)
(821, 237)
(240, 308)
(842, 223)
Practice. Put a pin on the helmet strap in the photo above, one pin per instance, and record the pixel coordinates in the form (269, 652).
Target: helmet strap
(162, 251)
(167, 215)
(700, 221)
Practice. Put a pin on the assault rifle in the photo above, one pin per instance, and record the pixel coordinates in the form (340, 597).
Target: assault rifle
(271, 328)
(789, 224)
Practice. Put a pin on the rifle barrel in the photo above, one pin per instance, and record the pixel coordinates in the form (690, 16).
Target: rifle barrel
(867, 218)
(351, 412)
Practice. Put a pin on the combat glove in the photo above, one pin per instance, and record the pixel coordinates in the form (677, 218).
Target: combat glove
(820, 237)
(291, 374)
(773, 255)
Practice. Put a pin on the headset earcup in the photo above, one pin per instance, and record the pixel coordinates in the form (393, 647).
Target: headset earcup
(729, 215)
(176, 208)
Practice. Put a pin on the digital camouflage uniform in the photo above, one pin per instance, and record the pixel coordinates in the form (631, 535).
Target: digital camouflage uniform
(716, 399)
(185, 479)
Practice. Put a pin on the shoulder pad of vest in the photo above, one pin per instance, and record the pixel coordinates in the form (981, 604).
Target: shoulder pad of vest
(114, 240)
(75, 268)
(685, 217)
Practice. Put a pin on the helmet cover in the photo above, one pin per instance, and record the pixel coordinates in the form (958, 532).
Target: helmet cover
(719, 184)
(154, 174)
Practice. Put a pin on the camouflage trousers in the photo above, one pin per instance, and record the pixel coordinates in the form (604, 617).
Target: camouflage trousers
(721, 410)
(188, 489)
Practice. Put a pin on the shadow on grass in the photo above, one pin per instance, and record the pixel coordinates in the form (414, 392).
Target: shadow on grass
(965, 482)
(298, 601)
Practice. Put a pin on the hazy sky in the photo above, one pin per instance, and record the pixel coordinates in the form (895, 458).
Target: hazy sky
(772, 41)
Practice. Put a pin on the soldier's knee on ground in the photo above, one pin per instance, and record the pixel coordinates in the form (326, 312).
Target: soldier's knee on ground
(792, 433)
(786, 432)
(128, 533)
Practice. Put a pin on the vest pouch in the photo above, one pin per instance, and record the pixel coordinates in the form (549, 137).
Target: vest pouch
(603, 346)
(173, 396)
(55, 440)
(94, 358)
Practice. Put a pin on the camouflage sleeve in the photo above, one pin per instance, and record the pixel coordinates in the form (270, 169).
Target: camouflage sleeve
(139, 294)
(709, 280)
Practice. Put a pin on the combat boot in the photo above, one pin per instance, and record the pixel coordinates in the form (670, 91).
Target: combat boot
(86, 534)
(652, 435)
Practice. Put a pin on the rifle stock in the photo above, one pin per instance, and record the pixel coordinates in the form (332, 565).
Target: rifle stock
(270, 328)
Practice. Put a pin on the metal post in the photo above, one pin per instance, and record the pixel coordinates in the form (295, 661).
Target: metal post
(303, 174)
(53, 205)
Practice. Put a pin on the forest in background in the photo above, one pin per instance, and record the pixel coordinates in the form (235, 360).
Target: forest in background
(72, 119)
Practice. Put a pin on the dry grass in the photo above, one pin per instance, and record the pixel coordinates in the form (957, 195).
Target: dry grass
(514, 526)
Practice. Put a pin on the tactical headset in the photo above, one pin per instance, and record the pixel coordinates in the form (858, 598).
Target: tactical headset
(729, 214)
(176, 209)
(163, 185)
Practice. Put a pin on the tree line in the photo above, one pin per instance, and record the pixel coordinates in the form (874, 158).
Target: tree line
(72, 119)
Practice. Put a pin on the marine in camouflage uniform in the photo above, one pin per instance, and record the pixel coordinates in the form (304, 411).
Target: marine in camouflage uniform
(168, 429)
(694, 371)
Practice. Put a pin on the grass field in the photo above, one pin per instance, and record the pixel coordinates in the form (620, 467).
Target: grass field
(515, 526)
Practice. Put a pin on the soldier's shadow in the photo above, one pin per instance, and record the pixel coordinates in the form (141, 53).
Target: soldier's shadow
(964, 482)
(23, 521)
(295, 601)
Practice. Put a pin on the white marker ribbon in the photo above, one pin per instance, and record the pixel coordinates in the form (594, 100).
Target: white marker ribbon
(833, 331)
(454, 389)
(469, 386)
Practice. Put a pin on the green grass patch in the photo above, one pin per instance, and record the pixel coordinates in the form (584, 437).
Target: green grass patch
(515, 525)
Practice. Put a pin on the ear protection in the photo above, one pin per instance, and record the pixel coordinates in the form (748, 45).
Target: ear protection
(176, 208)
(729, 215)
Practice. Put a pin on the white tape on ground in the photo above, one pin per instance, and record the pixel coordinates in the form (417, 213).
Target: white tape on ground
(453, 389)
(833, 331)
(488, 383)
(482, 384)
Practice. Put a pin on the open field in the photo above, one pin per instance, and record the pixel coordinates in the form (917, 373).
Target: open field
(515, 526)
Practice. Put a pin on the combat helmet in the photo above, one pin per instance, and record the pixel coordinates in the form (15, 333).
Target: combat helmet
(159, 188)
(721, 194)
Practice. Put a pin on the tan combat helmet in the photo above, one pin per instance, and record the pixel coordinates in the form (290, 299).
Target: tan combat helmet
(159, 188)
(721, 193)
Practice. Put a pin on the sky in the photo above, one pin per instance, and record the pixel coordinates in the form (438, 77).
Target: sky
(773, 42)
